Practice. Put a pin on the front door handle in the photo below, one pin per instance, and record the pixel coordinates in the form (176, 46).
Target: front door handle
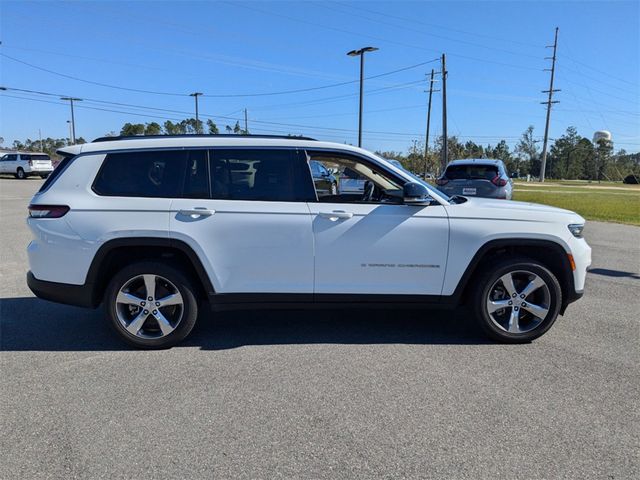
(196, 212)
(336, 214)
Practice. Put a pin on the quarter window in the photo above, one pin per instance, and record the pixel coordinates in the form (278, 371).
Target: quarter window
(162, 173)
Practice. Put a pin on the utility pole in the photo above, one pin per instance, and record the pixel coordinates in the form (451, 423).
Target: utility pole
(40, 136)
(426, 137)
(246, 123)
(548, 103)
(70, 134)
(195, 95)
(73, 119)
(355, 53)
(445, 144)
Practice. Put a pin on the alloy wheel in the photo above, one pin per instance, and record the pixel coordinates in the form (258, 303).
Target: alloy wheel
(518, 302)
(149, 306)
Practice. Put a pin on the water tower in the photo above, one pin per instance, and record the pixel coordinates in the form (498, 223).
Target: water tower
(601, 135)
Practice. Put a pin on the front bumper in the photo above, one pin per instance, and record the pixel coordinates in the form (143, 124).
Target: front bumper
(78, 295)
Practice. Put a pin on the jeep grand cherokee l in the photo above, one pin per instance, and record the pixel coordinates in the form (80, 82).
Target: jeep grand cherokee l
(151, 227)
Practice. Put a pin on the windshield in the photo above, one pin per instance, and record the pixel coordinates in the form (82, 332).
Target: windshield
(36, 156)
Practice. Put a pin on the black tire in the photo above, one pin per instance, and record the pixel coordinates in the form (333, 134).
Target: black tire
(44, 176)
(180, 281)
(20, 175)
(519, 266)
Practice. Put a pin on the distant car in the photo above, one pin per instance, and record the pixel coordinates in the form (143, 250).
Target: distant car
(631, 180)
(26, 164)
(476, 177)
(326, 183)
(351, 182)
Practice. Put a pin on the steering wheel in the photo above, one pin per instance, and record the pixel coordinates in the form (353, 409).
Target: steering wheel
(369, 188)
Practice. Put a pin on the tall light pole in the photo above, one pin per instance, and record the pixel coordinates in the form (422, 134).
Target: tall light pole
(73, 119)
(195, 95)
(355, 53)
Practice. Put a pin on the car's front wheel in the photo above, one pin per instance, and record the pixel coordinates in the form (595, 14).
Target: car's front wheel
(151, 305)
(517, 300)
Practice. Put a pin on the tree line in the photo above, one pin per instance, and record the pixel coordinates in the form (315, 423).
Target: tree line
(570, 157)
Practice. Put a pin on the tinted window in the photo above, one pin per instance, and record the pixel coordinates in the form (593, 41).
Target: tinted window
(196, 177)
(260, 174)
(471, 171)
(142, 174)
(40, 157)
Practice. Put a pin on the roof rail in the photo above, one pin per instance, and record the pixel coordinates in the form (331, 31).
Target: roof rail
(197, 135)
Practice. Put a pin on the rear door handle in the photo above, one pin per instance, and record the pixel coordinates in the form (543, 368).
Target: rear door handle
(196, 212)
(336, 214)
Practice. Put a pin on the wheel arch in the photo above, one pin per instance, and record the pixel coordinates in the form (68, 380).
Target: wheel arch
(114, 254)
(549, 253)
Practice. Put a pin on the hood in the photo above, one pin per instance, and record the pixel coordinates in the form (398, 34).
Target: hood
(506, 209)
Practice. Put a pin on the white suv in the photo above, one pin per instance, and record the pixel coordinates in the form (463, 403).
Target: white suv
(151, 226)
(26, 164)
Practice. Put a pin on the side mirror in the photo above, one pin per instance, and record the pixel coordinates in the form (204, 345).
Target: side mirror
(414, 193)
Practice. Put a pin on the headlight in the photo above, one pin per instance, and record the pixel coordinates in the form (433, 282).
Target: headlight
(576, 229)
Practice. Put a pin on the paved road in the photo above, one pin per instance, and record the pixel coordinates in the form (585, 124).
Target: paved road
(321, 395)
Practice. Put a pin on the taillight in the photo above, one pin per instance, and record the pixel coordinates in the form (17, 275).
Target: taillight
(47, 211)
(31, 163)
(442, 181)
(498, 182)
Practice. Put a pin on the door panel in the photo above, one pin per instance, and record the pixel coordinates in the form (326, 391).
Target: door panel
(255, 234)
(379, 248)
(249, 246)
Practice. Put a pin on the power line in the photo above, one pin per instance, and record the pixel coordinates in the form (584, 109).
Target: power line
(373, 37)
(90, 81)
(405, 28)
(231, 95)
(413, 20)
(261, 122)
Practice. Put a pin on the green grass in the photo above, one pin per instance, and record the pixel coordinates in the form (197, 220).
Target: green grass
(603, 204)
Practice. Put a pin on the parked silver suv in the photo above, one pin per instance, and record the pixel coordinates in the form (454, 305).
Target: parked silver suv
(26, 164)
(476, 177)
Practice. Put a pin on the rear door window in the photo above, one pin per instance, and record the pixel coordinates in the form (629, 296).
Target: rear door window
(471, 172)
(196, 176)
(260, 174)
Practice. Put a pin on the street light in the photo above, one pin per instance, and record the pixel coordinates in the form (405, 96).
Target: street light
(73, 120)
(195, 95)
(355, 53)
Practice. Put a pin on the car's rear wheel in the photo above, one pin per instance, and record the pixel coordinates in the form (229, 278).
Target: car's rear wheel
(44, 176)
(20, 174)
(151, 305)
(517, 300)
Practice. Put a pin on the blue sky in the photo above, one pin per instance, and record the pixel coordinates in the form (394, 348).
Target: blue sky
(495, 58)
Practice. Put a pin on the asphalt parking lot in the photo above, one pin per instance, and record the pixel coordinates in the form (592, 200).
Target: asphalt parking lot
(331, 394)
